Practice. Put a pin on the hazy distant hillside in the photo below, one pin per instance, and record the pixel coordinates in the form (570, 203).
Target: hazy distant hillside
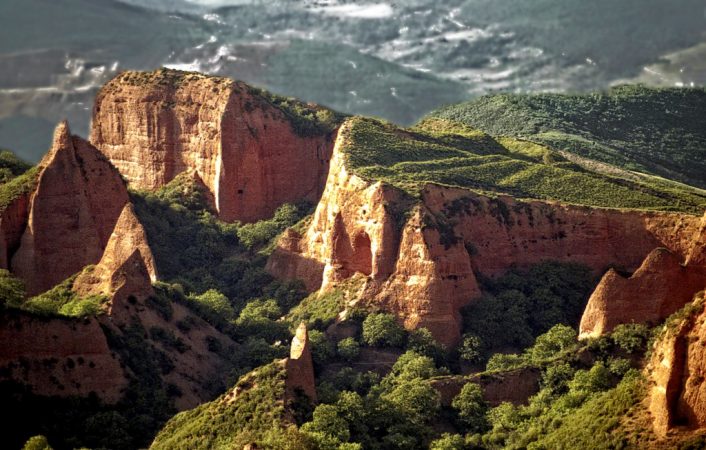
(396, 60)
(658, 131)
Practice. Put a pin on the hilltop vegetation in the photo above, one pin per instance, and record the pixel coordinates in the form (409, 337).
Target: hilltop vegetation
(656, 131)
(451, 153)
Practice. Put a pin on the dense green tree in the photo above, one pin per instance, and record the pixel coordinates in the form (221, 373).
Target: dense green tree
(37, 443)
(348, 349)
(469, 350)
(381, 329)
(559, 338)
(422, 341)
(322, 349)
(449, 441)
(260, 318)
(216, 302)
(471, 408)
(631, 337)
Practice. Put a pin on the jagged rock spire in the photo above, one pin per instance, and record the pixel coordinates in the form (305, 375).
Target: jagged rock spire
(300, 367)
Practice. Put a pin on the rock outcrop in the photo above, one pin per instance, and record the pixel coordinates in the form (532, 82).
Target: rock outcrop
(677, 371)
(660, 287)
(515, 386)
(300, 367)
(248, 152)
(72, 213)
(421, 260)
(127, 266)
(59, 356)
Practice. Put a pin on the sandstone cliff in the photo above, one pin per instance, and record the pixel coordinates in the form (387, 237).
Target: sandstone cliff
(660, 287)
(300, 367)
(248, 152)
(72, 212)
(421, 260)
(677, 371)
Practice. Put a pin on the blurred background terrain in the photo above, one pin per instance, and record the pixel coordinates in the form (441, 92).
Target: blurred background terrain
(392, 59)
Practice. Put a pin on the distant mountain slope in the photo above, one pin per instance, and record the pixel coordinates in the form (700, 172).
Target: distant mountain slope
(657, 131)
(452, 154)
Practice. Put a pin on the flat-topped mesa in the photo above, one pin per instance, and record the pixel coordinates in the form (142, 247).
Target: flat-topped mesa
(421, 260)
(661, 286)
(72, 213)
(300, 367)
(676, 372)
(251, 154)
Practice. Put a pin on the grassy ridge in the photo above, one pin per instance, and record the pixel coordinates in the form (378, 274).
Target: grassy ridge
(451, 153)
(657, 131)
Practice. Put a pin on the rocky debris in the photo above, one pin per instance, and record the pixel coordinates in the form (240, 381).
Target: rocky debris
(300, 367)
(59, 356)
(72, 213)
(677, 371)
(421, 261)
(659, 287)
(248, 152)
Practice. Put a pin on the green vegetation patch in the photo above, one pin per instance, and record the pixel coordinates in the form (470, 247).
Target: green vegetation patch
(307, 119)
(452, 154)
(61, 300)
(11, 166)
(253, 412)
(17, 186)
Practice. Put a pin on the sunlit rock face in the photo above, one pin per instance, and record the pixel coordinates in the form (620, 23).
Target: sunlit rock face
(421, 256)
(247, 151)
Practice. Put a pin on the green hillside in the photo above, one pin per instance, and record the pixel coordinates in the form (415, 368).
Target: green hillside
(453, 154)
(657, 131)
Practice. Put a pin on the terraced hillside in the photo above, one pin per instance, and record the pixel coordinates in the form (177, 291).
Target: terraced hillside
(657, 131)
(450, 153)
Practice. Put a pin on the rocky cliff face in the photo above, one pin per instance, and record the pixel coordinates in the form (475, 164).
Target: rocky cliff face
(660, 287)
(155, 125)
(677, 371)
(421, 260)
(72, 212)
(59, 356)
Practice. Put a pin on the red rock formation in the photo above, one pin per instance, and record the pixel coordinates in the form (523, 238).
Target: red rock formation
(59, 356)
(299, 366)
(127, 264)
(421, 266)
(677, 371)
(73, 211)
(155, 125)
(660, 287)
